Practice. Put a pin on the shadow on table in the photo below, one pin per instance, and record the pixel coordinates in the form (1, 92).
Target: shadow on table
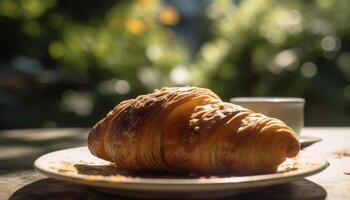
(21, 147)
(57, 190)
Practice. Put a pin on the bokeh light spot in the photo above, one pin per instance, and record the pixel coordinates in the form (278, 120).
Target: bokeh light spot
(343, 62)
(56, 50)
(210, 52)
(330, 43)
(291, 21)
(285, 60)
(169, 16)
(179, 75)
(122, 87)
(309, 69)
(135, 26)
(150, 77)
(153, 52)
(107, 87)
(78, 102)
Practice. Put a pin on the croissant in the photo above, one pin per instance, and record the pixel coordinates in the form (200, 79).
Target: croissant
(189, 129)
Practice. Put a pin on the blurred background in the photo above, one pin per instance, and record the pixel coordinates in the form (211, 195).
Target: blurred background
(66, 63)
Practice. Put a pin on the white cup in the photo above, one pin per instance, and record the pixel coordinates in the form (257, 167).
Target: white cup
(289, 110)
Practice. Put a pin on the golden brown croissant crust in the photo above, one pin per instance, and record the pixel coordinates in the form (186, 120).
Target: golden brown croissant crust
(189, 129)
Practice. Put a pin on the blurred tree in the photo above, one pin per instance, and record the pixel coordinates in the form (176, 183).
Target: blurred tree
(69, 62)
(280, 48)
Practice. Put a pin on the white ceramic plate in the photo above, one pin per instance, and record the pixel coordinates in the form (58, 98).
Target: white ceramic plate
(79, 166)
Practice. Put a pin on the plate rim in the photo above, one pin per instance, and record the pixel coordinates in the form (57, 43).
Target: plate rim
(232, 182)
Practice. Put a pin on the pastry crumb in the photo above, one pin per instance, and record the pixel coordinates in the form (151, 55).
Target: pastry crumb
(288, 167)
(342, 153)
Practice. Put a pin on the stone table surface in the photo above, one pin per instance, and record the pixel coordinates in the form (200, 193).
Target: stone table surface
(19, 181)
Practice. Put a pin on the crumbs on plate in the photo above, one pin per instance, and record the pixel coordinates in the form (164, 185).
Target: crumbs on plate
(288, 167)
(91, 171)
(342, 153)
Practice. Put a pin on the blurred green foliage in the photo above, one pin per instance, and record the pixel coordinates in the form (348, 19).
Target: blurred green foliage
(67, 63)
(282, 48)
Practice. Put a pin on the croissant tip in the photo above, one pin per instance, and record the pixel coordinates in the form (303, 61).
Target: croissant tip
(292, 149)
(95, 141)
